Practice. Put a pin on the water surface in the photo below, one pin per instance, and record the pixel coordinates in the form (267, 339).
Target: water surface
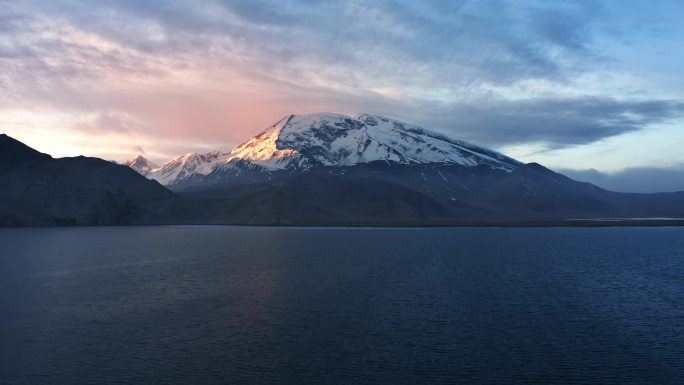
(210, 305)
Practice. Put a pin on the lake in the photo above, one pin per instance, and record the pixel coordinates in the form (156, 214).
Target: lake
(263, 305)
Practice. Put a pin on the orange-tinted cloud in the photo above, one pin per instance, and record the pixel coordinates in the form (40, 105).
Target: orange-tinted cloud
(104, 77)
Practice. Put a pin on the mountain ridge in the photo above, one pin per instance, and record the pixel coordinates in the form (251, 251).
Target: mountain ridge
(185, 166)
(330, 139)
(312, 187)
(37, 189)
(332, 168)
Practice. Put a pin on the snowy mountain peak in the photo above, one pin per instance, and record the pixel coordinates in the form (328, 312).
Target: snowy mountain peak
(329, 139)
(141, 165)
(184, 166)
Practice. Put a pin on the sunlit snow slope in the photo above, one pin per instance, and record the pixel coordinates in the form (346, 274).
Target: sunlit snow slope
(326, 139)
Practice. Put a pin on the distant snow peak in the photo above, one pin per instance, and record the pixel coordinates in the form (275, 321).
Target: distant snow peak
(185, 166)
(141, 165)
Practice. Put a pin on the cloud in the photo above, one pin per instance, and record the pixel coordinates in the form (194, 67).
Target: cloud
(209, 74)
(110, 123)
(139, 150)
(637, 180)
(408, 44)
(558, 121)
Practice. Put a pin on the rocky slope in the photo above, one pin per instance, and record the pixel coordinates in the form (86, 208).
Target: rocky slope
(36, 189)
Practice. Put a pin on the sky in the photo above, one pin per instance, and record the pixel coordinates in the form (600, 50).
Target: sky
(592, 88)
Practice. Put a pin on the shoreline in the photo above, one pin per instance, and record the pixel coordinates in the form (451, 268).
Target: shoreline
(603, 222)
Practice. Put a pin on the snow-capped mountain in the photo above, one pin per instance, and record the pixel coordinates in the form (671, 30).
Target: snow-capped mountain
(141, 165)
(299, 141)
(316, 187)
(185, 166)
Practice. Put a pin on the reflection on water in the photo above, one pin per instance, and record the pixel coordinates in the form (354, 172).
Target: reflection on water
(214, 304)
